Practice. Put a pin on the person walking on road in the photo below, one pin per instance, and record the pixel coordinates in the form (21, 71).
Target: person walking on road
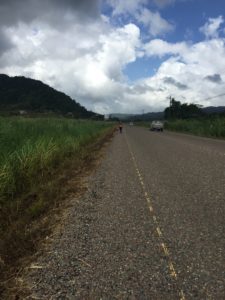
(120, 127)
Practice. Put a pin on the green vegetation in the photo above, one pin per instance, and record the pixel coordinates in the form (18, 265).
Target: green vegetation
(191, 118)
(29, 96)
(30, 148)
(209, 127)
(176, 110)
(37, 158)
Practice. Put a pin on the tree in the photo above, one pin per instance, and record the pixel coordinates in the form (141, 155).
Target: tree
(176, 110)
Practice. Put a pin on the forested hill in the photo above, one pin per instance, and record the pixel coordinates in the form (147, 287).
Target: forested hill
(33, 96)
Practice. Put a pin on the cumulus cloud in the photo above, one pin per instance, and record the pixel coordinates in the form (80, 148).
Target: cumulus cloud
(154, 22)
(179, 85)
(216, 78)
(132, 6)
(183, 72)
(158, 47)
(6, 44)
(54, 14)
(137, 9)
(126, 6)
(211, 28)
(56, 11)
(139, 88)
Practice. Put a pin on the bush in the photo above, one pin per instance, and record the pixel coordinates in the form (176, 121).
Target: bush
(212, 127)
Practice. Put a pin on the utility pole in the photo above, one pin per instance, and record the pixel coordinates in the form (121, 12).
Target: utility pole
(170, 99)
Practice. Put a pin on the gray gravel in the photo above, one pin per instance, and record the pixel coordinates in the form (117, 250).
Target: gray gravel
(109, 248)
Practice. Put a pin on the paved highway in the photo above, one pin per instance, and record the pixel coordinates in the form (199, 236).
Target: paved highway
(184, 177)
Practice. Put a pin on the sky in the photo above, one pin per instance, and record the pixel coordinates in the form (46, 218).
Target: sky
(118, 56)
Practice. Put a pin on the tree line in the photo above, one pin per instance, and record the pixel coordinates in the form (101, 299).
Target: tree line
(176, 110)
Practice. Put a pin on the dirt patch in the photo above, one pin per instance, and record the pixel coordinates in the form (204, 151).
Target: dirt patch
(29, 238)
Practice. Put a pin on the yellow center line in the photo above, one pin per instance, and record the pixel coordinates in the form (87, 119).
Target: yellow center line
(173, 272)
(164, 247)
(154, 218)
(182, 295)
(149, 201)
(158, 231)
(151, 208)
(142, 183)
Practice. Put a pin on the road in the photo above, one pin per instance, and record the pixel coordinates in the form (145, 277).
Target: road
(151, 225)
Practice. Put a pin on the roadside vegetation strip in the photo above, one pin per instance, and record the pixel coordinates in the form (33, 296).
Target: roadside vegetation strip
(164, 248)
(31, 147)
(33, 153)
(210, 127)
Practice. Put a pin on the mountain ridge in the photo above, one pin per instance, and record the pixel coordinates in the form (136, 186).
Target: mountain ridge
(33, 96)
(160, 115)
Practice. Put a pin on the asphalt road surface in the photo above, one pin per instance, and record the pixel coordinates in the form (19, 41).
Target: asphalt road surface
(151, 225)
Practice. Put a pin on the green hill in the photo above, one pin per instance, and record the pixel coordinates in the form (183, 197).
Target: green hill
(33, 96)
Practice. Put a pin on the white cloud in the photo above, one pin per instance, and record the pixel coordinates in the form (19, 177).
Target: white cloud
(158, 47)
(154, 22)
(118, 49)
(192, 73)
(132, 6)
(137, 10)
(56, 12)
(211, 28)
(126, 6)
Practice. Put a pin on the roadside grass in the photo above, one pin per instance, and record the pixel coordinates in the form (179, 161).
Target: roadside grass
(211, 127)
(37, 157)
(208, 127)
(29, 148)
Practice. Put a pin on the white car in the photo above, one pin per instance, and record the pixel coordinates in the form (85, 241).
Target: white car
(156, 126)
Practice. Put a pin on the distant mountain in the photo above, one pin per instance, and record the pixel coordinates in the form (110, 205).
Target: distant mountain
(33, 96)
(121, 117)
(149, 116)
(160, 115)
(214, 109)
(142, 117)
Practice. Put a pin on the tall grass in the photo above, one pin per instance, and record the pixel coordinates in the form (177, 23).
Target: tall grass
(29, 148)
(37, 158)
(212, 127)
